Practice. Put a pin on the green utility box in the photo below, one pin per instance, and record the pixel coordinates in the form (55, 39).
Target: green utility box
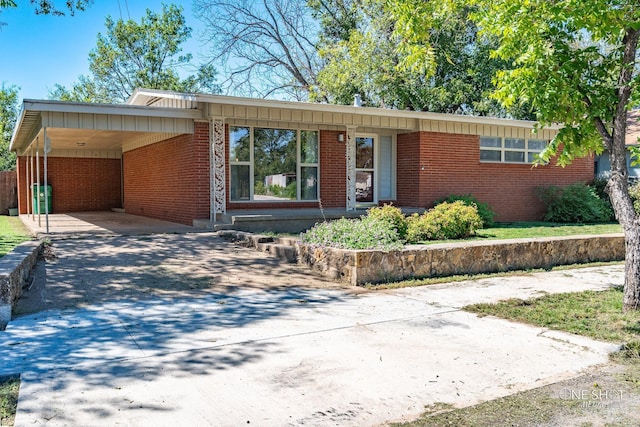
(40, 203)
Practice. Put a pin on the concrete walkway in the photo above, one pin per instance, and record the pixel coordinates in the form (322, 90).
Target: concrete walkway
(188, 330)
(102, 223)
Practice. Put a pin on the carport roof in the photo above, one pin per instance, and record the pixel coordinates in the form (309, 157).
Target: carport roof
(102, 126)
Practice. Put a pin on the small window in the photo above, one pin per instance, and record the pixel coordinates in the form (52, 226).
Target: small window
(510, 150)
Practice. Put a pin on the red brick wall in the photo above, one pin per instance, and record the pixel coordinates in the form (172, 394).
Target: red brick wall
(78, 184)
(169, 180)
(451, 165)
(333, 172)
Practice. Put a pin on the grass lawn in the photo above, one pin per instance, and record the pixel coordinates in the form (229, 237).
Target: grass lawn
(517, 230)
(520, 230)
(12, 233)
(594, 314)
(9, 387)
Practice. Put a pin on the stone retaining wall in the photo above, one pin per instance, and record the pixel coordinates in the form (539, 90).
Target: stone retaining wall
(15, 268)
(358, 267)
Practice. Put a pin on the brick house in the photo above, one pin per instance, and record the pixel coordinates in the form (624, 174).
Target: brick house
(184, 157)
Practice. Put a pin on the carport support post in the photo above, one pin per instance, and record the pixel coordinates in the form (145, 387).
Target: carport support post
(30, 183)
(38, 178)
(26, 175)
(47, 148)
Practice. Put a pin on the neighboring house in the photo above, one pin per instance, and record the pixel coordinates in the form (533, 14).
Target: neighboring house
(602, 164)
(183, 157)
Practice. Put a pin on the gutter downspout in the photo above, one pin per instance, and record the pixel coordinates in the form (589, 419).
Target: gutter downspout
(47, 148)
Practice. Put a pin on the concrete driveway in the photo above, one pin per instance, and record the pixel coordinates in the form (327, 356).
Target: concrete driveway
(169, 330)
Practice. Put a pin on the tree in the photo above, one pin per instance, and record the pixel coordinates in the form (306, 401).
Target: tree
(131, 55)
(8, 116)
(48, 7)
(575, 68)
(269, 46)
(365, 53)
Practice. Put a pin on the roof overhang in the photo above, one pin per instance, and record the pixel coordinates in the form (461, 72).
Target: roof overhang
(86, 126)
(220, 105)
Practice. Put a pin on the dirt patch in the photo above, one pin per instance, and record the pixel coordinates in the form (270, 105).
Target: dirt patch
(81, 272)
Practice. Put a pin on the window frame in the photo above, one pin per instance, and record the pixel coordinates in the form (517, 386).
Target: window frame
(526, 151)
(251, 164)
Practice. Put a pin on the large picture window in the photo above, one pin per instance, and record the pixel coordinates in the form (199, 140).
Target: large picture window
(510, 150)
(273, 164)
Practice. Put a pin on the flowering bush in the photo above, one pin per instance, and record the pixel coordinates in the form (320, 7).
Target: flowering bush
(484, 210)
(393, 216)
(445, 221)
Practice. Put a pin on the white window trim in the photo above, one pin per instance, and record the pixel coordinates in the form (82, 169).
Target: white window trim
(502, 149)
(376, 169)
(251, 164)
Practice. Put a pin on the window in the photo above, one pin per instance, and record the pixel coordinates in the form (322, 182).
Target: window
(273, 164)
(510, 150)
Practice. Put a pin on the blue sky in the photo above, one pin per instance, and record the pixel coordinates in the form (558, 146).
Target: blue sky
(39, 51)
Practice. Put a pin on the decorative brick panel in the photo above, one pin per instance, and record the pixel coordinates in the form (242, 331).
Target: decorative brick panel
(77, 184)
(169, 180)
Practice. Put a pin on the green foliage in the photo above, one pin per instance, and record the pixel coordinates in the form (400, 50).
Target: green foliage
(8, 116)
(367, 52)
(134, 55)
(364, 233)
(484, 210)
(48, 7)
(574, 203)
(634, 192)
(393, 215)
(445, 221)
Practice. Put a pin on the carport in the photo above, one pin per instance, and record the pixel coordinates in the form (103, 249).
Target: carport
(78, 150)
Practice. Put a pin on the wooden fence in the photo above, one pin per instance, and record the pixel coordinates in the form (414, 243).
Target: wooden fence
(8, 191)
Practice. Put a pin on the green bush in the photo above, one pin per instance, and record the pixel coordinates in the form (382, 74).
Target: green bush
(484, 210)
(393, 216)
(634, 192)
(574, 203)
(364, 233)
(454, 220)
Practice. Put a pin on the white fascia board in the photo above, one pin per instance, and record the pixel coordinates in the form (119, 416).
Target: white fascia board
(119, 109)
(331, 108)
(140, 96)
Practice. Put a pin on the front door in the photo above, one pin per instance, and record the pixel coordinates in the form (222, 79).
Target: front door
(365, 170)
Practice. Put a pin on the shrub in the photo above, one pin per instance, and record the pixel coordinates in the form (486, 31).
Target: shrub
(364, 233)
(445, 221)
(574, 203)
(393, 216)
(484, 210)
(634, 192)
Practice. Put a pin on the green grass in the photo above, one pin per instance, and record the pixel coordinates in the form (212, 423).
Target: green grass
(523, 230)
(12, 233)
(9, 387)
(517, 230)
(594, 314)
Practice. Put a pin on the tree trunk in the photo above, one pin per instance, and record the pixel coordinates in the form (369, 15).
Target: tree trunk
(631, 299)
(618, 185)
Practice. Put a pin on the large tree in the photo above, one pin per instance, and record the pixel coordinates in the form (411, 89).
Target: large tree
(8, 115)
(146, 54)
(268, 47)
(576, 63)
(365, 52)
